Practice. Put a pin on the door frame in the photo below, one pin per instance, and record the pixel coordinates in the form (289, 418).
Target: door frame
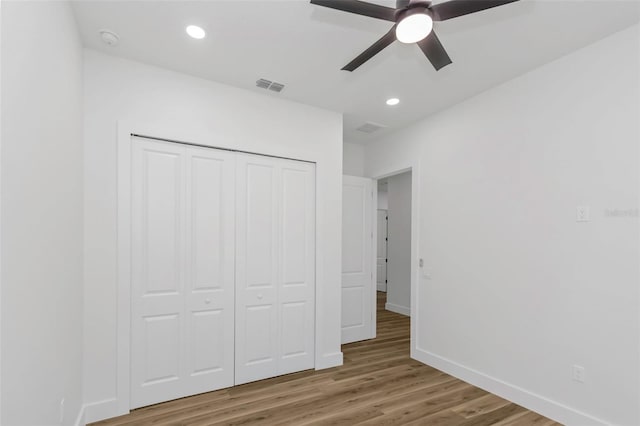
(121, 404)
(386, 248)
(415, 243)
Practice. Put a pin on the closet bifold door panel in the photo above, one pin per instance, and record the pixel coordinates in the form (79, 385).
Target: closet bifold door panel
(297, 267)
(182, 280)
(275, 267)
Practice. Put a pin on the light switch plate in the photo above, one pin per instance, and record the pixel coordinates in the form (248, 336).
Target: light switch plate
(583, 214)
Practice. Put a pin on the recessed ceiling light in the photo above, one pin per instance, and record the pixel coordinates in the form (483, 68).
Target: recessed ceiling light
(393, 101)
(195, 31)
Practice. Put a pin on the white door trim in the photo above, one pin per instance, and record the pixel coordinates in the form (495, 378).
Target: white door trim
(386, 255)
(121, 404)
(374, 259)
(414, 168)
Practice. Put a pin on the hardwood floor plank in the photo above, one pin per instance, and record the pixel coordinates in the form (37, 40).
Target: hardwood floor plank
(407, 411)
(347, 418)
(379, 384)
(480, 406)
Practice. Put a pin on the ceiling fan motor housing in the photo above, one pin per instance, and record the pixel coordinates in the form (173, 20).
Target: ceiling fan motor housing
(403, 4)
(413, 10)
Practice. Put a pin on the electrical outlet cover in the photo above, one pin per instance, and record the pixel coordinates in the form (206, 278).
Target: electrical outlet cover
(577, 373)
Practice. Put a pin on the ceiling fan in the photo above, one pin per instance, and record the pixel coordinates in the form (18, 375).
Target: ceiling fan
(413, 23)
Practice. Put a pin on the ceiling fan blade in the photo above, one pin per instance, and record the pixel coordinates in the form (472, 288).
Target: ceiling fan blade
(373, 50)
(455, 8)
(359, 8)
(434, 51)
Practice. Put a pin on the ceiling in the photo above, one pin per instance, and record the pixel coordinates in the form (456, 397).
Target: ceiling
(304, 46)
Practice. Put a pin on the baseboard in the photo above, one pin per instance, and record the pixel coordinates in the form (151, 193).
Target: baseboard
(101, 410)
(403, 310)
(329, 361)
(382, 287)
(534, 402)
(80, 420)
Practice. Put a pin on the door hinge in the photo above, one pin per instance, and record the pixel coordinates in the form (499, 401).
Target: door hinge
(386, 260)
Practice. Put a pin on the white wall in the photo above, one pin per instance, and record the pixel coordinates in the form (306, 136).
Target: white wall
(117, 89)
(353, 159)
(41, 214)
(399, 244)
(519, 291)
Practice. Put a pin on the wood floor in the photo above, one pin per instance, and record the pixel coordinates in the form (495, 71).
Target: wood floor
(377, 385)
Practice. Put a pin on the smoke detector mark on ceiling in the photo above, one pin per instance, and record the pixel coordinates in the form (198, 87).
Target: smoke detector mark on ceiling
(268, 84)
(109, 37)
(370, 127)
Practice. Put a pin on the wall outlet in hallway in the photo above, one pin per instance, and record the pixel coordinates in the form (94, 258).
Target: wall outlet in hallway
(577, 373)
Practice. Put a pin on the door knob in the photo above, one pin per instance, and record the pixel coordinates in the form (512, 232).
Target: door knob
(207, 301)
(260, 296)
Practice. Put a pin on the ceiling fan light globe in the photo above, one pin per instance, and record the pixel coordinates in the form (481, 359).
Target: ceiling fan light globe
(414, 27)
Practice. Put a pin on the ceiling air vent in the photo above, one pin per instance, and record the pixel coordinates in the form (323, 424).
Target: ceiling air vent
(276, 87)
(370, 127)
(263, 84)
(268, 84)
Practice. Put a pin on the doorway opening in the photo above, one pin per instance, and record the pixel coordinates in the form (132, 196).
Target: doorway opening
(377, 251)
(393, 246)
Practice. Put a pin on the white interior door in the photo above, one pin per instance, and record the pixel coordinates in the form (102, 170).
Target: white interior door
(297, 262)
(275, 267)
(210, 274)
(256, 268)
(182, 271)
(358, 295)
(381, 251)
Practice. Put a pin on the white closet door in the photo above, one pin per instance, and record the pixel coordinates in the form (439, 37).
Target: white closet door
(210, 269)
(358, 295)
(297, 265)
(275, 260)
(256, 268)
(158, 224)
(182, 271)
